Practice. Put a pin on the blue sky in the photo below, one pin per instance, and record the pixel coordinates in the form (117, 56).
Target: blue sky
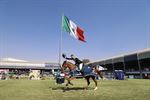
(30, 29)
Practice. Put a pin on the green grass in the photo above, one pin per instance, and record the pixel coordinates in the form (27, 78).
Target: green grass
(48, 90)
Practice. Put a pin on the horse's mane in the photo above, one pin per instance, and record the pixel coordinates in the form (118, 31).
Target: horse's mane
(67, 62)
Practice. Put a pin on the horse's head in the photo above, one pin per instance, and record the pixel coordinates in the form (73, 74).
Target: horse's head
(64, 65)
(67, 64)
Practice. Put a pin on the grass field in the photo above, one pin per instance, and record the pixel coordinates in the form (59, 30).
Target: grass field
(48, 90)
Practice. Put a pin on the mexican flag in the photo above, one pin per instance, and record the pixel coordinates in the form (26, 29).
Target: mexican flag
(70, 27)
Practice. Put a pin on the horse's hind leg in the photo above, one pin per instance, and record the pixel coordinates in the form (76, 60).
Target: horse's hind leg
(88, 81)
(94, 79)
(100, 74)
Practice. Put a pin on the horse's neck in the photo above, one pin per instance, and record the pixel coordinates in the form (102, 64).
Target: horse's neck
(71, 66)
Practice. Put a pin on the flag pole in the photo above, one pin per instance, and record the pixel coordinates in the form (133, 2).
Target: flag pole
(60, 41)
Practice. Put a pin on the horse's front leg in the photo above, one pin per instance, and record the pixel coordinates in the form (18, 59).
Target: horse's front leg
(69, 80)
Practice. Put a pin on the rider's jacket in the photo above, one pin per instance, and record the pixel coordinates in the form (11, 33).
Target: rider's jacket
(76, 60)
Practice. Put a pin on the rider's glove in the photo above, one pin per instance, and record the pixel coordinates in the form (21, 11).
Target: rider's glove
(64, 55)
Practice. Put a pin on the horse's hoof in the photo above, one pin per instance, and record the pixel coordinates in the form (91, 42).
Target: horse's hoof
(66, 84)
(95, 88)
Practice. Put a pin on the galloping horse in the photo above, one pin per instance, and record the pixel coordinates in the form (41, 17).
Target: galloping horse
(87, 75)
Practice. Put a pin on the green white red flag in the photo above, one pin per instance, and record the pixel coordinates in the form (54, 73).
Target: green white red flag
(70, 27)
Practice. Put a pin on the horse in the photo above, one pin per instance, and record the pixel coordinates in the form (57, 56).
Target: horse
(72, 69)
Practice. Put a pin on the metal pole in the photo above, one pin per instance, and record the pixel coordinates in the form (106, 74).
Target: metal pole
(124, 66)
(139, 65)
(113, 68)
(60, 42)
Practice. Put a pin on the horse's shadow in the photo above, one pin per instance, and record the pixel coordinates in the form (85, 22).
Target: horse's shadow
(64, 89)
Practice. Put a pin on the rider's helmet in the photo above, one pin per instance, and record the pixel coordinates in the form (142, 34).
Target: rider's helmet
(72, 56)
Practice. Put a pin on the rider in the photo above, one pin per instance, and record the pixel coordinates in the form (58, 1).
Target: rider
(77, 61)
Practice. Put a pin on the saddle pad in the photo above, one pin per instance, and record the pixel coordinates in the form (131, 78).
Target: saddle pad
(87, 71)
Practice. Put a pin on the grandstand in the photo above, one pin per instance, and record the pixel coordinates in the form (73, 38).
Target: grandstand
(134, 64)
(23, 67)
